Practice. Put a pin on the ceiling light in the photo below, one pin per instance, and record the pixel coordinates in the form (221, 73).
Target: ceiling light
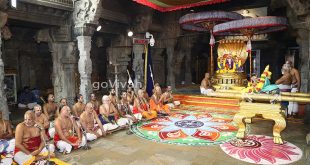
(98, 28)
(130, 33)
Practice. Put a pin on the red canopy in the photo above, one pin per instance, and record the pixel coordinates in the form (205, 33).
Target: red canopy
(171, 5)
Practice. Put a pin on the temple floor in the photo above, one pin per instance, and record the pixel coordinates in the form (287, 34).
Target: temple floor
(120, 148)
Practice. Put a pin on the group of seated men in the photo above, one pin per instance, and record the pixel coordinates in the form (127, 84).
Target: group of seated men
(71, 129)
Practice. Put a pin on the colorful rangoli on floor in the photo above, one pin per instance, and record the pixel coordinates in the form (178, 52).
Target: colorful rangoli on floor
(260, 149)
(189, 128)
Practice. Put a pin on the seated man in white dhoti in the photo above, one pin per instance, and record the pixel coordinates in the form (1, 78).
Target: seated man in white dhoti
(293, 106)
(29, 137)
(108, 114)
(168, 98)
(41, 119)
(26, 99)
(7, 141)
(206, 85)
(68, 135)
(50, 110)
(91, 123)
(284, 83)
(126, 111)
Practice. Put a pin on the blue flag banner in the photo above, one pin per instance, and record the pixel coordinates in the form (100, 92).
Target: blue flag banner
(148, 70)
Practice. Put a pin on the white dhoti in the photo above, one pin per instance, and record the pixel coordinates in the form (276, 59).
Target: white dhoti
(7, 148)
(51, 129)
(205, 91)
(138, 116)
(171, 105)
(66, 147)
(91, 137)
(284, 88)
(109, 127)
(29, 106)
(21, 158)
(293, 106)
(122, 121)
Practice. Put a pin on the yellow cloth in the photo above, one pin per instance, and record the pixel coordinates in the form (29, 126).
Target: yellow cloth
(148, 116)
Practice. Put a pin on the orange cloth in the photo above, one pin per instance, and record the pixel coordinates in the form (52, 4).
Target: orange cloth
(148, 116)
(31, 144)
(72, 139)
(159, 107)
(145, 113)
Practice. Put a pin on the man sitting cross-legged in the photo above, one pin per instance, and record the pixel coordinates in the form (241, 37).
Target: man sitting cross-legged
(79, 106)
(68, 134)
(29, 141)
(126, 111)
(142, 106)
(50, 110)
(108, 114)
(88, 119)
(157, 102)
(7, 141)
(41, 119)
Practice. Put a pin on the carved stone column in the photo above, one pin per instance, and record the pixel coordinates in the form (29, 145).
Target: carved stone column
(85, 66)
(304, 66)
(188, 68)
(64, 61)
(138, 64)
(3, 101)
(85, 18)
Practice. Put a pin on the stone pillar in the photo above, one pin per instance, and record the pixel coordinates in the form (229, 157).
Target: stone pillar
(138, 65)
(64, 61)
(69, 69)
(3, 101)
(170, 66)
(85, 66)
(304, 66)
(188, 68)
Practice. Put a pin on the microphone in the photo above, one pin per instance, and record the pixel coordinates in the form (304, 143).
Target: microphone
(38, 126)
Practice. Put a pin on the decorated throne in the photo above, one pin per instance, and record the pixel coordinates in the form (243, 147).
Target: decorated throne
(230, 73)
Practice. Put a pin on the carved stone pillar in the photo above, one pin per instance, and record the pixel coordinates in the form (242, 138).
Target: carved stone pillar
(304, 66)
(188, 68)
(85, 18)
(170, 66)
(85, 66)
(64, 61)
(3, 101)
(138, 64)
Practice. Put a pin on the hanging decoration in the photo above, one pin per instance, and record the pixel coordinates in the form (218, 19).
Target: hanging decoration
(204, 22)
(171, 5)
(251, 26)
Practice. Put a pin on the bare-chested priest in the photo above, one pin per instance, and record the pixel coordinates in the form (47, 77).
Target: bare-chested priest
(168, 98)
(68, 134)
(293, 106)
(41, 118)
(206, 85)
(79, 106)
(113, 97)
(7, 141)
(29, 141)
(91, 123)
(108, 114)
(284, 83)
(157, 102)
(50, 108)
(93, 99)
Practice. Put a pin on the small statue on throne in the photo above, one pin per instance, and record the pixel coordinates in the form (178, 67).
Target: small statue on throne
(238, 64)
